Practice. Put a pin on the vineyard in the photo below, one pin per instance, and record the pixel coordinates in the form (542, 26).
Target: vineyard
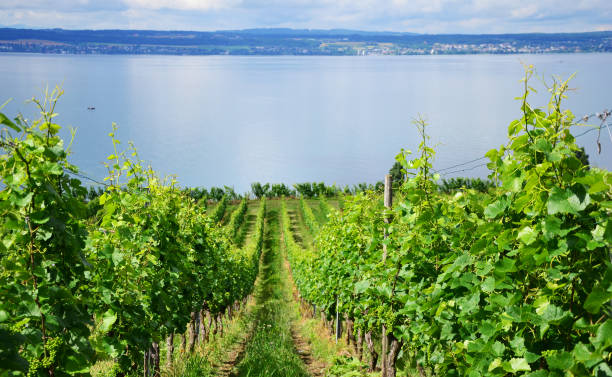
(511, 278)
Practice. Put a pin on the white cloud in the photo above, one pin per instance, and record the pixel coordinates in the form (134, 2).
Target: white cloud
(431, 16)
(525, 11)
(186, 5)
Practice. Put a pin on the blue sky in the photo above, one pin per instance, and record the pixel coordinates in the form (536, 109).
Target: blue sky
(420, 16)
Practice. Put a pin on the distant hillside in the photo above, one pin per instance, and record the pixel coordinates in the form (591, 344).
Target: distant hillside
(292, 42)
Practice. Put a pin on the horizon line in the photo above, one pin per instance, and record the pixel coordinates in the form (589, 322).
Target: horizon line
(343, 30)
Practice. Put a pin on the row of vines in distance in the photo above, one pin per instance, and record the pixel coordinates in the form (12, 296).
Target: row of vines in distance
(517, 281)
(75, 289)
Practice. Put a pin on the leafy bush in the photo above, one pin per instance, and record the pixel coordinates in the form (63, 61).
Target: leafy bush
(73, 288)
(452, 185)
(310, 190)
(518, 282)
(260, 190)
(278, 190)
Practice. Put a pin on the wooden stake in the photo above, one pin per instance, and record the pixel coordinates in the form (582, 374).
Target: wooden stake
(388, 201)
(155, 359)
(338, 323)
(192, 332)
(202, 332)
(169, 349)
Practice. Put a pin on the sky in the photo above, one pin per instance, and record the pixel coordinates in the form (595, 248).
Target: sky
(418, 16)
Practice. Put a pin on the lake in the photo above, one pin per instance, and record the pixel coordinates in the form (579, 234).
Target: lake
(217, 120)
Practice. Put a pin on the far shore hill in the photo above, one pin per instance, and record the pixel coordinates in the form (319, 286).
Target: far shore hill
(293, 42)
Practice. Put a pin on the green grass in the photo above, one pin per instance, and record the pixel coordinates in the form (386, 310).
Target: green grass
(267, 321)
(202, 362)
(248, 226)
(270, 351)
(338, 357)
(300, 231)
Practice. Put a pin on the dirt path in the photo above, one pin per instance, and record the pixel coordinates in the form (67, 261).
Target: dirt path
(228, 367)
(315, 367)
(272, 340)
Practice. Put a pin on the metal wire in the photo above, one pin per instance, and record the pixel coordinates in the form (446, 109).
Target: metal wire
(457, 165)
(86, 177)
(462, 170)
(603, 116)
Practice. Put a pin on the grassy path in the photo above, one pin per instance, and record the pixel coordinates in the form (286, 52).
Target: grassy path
(322, 354)
(248, 227)
(301, 235)
(270, 336)
(270, 350)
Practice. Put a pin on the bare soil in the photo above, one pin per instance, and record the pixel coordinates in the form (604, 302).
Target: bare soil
(228, 366)
(315, 367)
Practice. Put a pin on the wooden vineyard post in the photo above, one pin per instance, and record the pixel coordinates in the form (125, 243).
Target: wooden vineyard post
(155, 359)
(338, 323)
(390, 345)
(388, 202)
(146, 363)
(202, 320)
(193, 327)
(169, 349)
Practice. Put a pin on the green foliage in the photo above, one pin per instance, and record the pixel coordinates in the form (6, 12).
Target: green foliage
(275, 190)
(94, 192)
(398, 174)
(197, 366)
(43, 274)
(219, 211)
(309, 217)
(452, 185)
(278, 190)
(581, 155)
(215, 194)
(310, 190)
(515, 282)
(76, 288)
(259, 190)
(364, 187)
(257, 244)
(237, 219)
(197, 193)
(270, 350)
(230, 193)
(344, 366)
(325, 208)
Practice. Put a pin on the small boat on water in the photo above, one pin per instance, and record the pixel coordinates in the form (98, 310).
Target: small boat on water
(91, 108)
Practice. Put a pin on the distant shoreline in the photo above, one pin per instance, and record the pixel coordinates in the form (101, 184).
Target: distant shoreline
(6, 53)
(289, 42)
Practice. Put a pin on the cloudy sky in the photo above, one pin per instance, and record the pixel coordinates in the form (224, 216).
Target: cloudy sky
(420, 16)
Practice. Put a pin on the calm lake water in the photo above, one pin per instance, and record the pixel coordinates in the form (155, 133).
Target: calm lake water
(235, 120)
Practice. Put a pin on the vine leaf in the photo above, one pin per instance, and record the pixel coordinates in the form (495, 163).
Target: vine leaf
(108, 319)
(528, 235)
(566, 201)
(596, 299)
(496, 208)
(518, 365)
(7, 122)
(561, 360)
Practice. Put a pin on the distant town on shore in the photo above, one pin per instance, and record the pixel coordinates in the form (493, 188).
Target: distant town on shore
(294, 42)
